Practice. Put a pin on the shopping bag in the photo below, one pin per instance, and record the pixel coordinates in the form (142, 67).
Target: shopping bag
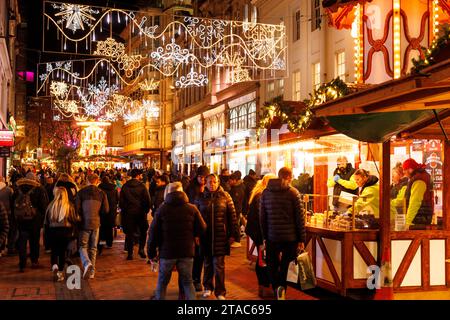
(292, 275)
(306, 276)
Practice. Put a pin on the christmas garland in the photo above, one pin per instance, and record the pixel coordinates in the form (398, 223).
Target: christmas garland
(430, 54)
(277, 112)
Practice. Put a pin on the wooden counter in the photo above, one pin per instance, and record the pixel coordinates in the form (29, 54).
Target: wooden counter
(341, 258)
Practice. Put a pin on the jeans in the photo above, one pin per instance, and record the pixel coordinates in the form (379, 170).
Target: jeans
(215, 268)
(58, 239)
(278, 268)
(33, 235)
(184, 268)
(88, 247)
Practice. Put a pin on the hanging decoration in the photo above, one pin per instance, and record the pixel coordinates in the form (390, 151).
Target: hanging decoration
(74, 16)
(278, 112)
(149, 85)
(174, 49)
(140, 110)
(438, 51)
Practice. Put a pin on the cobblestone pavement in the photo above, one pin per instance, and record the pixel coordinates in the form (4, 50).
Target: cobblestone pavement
(117, 278)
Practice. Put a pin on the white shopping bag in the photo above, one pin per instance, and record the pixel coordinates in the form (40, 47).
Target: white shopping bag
(292, 275)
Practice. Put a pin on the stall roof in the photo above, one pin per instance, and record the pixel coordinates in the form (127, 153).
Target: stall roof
(403, 105)
(429, 90)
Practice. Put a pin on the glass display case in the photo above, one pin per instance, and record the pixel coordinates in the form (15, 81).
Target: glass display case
(341, 219)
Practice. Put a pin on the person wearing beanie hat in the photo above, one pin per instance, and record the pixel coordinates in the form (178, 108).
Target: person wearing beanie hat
(418, 194)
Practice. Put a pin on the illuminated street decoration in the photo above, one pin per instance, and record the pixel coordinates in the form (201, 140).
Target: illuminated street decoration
(138, 111)
(116, 51)
(75, 16)
(174, 49)
(149, 85)
(192, 79)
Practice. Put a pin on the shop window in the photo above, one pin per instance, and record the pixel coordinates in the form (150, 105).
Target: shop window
(252, 115)
(409, 186)
(315, 14)
(280, 87)
(234, 114)
(296, 86)
(316, 75)
(270, 89)
(340, 65)
(296, 30)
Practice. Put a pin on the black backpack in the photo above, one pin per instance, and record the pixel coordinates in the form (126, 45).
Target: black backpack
(23, 208)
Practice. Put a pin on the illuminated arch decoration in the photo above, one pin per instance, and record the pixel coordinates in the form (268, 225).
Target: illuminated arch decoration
(172, 48)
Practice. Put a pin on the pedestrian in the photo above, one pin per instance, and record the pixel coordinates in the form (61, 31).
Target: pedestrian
(60, 222)
(175, 229)
(30, 203)
(4, 226)
(419, 195)
(194, 191)
(237, 193)
(90, 204)
(217, 209)
(282, 219)
(6, 199)
(224, 179)
(253, 230)
(107, 221)
(49, 185)
(67, 182)
(250, 181)
(161, 182)
(134, 202)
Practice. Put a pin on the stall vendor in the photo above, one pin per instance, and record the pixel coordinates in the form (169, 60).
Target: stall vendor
(398, 189)
(343, 180)
(418, 194)
(368, 193)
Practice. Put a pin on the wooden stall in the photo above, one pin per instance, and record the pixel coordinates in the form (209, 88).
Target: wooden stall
(418, 257)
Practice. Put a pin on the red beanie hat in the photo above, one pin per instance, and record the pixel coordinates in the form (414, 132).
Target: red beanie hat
(412, 164)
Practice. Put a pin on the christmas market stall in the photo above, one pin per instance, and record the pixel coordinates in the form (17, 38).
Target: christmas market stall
(409, 117)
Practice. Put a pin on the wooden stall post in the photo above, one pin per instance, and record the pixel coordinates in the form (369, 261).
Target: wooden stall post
(446, 206)
(385, 222)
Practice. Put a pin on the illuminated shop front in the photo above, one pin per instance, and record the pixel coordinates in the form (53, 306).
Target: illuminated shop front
(241, 135)
(214, 141)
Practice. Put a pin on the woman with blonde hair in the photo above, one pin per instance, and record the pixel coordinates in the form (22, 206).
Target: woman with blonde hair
(253, 230)
(60, 222)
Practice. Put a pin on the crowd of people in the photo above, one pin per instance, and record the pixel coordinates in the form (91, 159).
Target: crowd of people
(191, 223)
(195, 221)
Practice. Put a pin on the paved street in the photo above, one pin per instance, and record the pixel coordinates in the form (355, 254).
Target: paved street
(117, 278)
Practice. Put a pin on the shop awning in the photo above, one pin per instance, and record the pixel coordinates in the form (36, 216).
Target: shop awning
(379, 127)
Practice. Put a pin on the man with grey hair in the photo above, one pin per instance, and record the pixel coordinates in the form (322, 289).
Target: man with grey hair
(90, 204)
(175, 229)
(343, 180)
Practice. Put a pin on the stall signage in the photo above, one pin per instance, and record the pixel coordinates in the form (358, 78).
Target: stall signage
(433, 160)
(5, 152)
(6, 138)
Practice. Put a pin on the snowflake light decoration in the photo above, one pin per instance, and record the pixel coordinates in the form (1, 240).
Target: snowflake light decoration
(75, 16)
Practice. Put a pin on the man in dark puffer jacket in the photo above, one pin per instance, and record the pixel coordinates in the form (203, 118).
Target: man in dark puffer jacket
(217, 209)
(283, 226)
(175, 226)
(135, 204)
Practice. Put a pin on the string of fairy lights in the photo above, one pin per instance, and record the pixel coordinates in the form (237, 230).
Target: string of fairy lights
(188, 50)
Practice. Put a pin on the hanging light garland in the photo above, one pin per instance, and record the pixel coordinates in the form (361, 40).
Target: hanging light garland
(278, 112)
(175, 49)
(439, 47)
